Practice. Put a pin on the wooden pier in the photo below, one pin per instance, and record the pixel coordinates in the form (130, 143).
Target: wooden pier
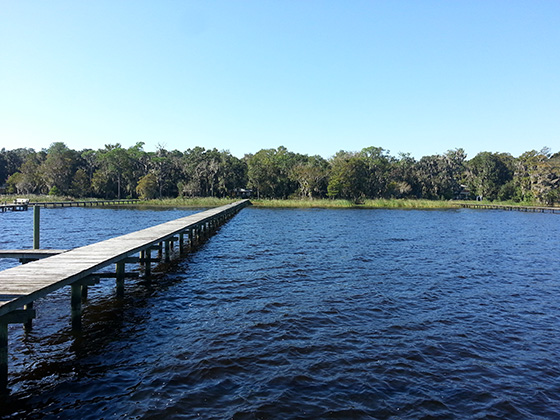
(23, 204)
(19, 204)
(79, 268)
(533, 209)
(88, 203)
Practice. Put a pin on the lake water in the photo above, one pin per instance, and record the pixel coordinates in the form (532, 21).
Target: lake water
(303, 314)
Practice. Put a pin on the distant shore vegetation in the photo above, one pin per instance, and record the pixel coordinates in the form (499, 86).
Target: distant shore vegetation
(371, 177)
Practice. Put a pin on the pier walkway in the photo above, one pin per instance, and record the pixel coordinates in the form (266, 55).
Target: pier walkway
(79, 268)
(87, 203)
(24, 204)
(511, 208)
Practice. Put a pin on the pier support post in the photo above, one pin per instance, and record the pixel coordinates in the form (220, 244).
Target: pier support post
(3, 357)
(119, 270)
(76, 303)
(36, 226)
(181, 242)
(167, 251)
(84, 286)
(190, 239)
(84, 292)
(159, 254)
(148, 266)
(18, 316)
(28, 325)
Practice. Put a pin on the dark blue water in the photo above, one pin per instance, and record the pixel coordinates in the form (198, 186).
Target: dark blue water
(307, 314)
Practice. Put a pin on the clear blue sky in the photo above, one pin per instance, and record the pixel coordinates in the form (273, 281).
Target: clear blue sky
(315, 76)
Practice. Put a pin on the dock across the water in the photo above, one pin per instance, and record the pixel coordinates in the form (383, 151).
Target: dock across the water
(80, 267)
(533, 209)
(19, 204)
(24, 204)
(86, 203)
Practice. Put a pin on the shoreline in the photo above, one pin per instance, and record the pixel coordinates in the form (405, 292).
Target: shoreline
(325, 203)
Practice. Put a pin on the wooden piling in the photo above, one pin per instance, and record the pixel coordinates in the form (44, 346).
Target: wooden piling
(148, 263)
(167, 251)
(119, 270)
(36, 227)
(76, 306)
(28, 325)
(3, 356)
(181, 243)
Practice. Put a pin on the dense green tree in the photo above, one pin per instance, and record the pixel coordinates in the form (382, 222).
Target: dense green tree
(11, 161)
(81, 184)
(116, 174)
(147, 187)
(137, 159)
(348, 177)
(3, 168)
(29, 179)
(378, 162)
(537, 176)
(195, 174)
(89, 162)
(402, 178)
(439, 176)
(59, 167)
(311, 176)
(102, 185)
(232, 174)
(488, 172)
(15, 184)
(160, 166)
(269, 172)
(32, 180)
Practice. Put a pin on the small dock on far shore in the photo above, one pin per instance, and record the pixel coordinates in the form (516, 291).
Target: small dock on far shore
(50, 270)
(19, 204)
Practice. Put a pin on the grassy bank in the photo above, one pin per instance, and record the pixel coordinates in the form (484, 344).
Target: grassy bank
(297, 203)
(188, 202)
(290, 203)
(367, 204)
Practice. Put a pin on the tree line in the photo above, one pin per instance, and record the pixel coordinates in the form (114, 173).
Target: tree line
(119, 172)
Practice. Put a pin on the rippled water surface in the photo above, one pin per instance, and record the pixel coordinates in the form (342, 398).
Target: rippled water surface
(304, 314)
